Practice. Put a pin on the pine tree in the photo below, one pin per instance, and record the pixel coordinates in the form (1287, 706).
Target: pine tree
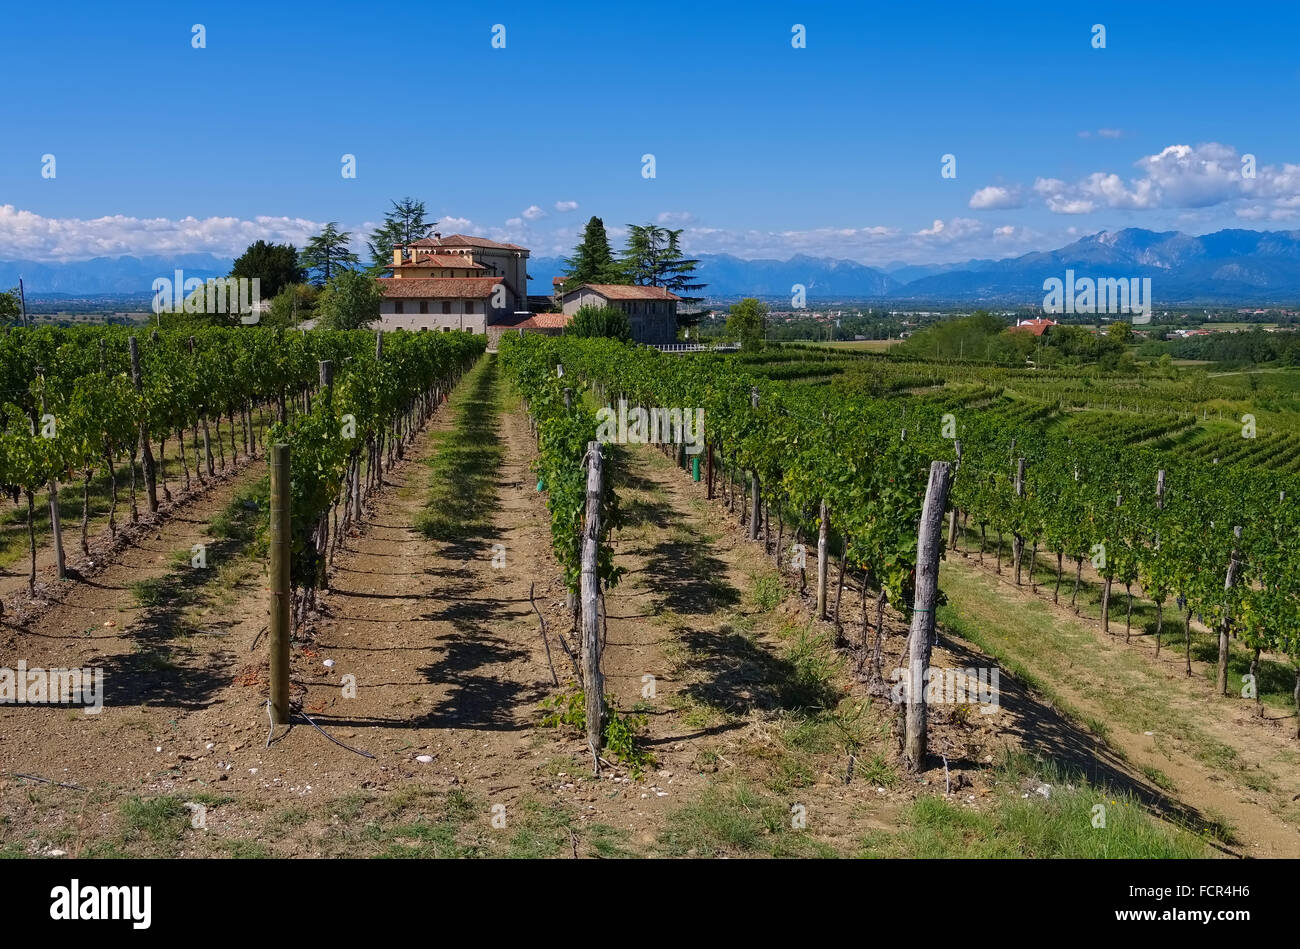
(592, 260)
(327, 253)
(404, 224)
(653, 258)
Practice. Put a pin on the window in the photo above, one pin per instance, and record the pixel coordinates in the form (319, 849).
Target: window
(424, 306)
(446, 306)
(397, 307)
(469, 306)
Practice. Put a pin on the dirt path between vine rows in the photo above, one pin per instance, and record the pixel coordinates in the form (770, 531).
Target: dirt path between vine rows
(130, 619)
(1209, 751)
(428, 659)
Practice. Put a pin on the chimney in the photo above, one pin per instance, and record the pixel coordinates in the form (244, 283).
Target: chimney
(397, 256)
(437, 236)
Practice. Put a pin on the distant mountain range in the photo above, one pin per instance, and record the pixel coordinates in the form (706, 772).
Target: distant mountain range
(1229, 266)
(103, 276)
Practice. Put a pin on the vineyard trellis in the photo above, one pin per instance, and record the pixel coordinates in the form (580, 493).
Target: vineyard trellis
(1082, 495)
(75, 399)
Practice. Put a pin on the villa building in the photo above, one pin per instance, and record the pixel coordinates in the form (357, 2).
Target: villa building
(453, 283)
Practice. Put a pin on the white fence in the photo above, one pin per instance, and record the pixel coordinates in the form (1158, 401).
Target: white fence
(697, 348)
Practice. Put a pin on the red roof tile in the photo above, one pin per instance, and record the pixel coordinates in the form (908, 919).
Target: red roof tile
(1036, 326)
(463, 240)
(619, 291)
(463, 288)
(442, 260)
(546, 321)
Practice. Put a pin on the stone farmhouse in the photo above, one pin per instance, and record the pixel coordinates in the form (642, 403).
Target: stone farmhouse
(472, 284)
(453, 283)
(652, 311)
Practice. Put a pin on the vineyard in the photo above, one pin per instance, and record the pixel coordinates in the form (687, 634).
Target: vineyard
(1089, 492)
(633, 651)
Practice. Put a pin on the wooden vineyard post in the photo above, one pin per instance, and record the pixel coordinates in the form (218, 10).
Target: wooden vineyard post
(280, 589)
(593, 682)
(952, 515)
(1018, 540)
(327, 379)
(928, 546)
(150, 480)
(1221, 682)
(823, 530)
(56, 528)
(708, 470)
(756, 509)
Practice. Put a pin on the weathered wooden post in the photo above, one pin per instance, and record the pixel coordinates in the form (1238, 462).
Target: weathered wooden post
(327, 378)
(593, 682)
(756, 509)
(928, 545)
(1221, 682)
(822, 566)
(150, 480)
(1017, 539)
(952, 515)
(280, 588)
(56, 527)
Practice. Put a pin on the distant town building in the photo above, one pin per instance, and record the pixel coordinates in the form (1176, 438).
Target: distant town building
(1036, 326)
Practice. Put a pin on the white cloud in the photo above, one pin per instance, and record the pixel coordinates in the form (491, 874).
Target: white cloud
(995, 197)
(1178, 177)
(955, 229)
(533, 213)
(1110, 133)
(514, 222)
(456, 225)
(564, 206)
(1054, 192)
(675, 217)
(31, 236)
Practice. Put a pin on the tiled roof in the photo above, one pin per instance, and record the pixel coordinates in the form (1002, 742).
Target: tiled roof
(1036, 326)
(463, 240)
(443, 260)
(619, 291)
(547, 321)
(461, 288)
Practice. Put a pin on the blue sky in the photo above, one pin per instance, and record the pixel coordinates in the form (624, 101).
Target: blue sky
(760, 149)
